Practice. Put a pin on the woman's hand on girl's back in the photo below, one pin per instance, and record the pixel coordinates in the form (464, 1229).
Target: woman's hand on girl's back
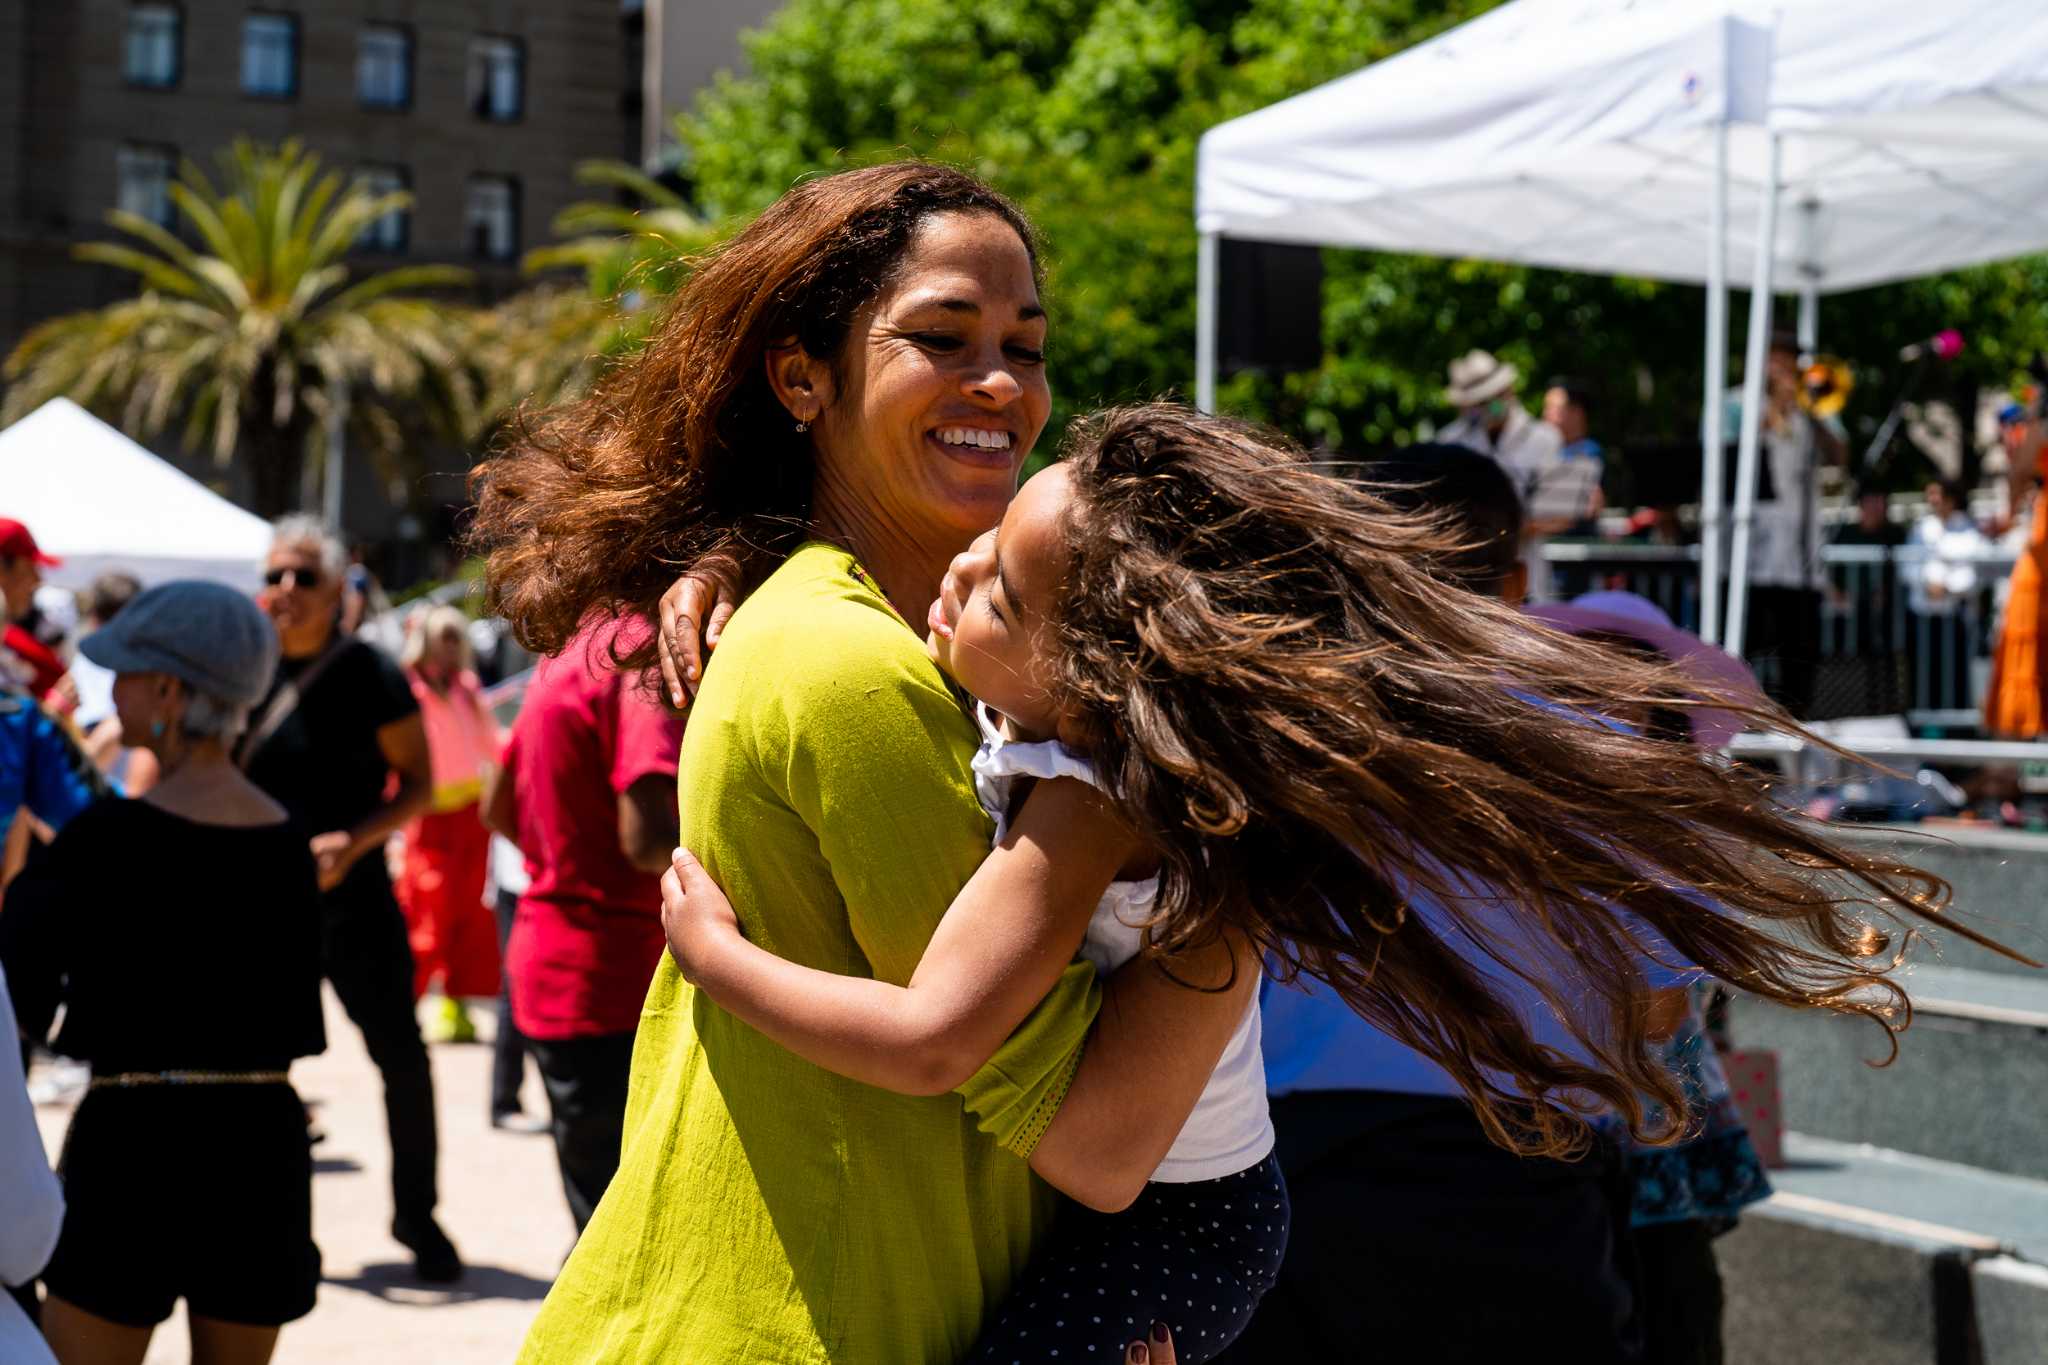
(695, 915)
(693, 613)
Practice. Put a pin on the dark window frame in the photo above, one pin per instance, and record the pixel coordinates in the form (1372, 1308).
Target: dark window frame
(404, 247)
(177, 76)
(411, 66)
(296, 55)
(477, 99)
(168, 220)
(516, 201)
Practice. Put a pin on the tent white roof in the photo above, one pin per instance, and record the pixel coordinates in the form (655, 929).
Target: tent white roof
(100, 501)
(1579, 134)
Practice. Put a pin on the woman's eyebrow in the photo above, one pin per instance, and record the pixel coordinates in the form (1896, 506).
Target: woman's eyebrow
(969, 308)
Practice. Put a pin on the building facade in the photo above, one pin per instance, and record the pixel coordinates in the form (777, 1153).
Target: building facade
(481, 108)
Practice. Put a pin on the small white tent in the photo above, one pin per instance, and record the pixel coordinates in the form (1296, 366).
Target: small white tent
(100, 501)
(1644, 137)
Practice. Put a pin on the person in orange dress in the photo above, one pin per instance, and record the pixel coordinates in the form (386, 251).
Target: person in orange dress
(441, 876)
(2016, 702)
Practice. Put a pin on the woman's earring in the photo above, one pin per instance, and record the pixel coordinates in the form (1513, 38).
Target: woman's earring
(803, 426)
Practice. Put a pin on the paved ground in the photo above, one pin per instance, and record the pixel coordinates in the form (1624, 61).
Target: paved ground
(501, 1200)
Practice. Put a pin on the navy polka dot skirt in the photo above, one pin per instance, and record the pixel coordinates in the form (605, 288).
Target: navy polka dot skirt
(1197, 1257)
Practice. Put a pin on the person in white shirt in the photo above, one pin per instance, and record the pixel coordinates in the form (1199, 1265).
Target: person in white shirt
(1939, 586)
(1492, 421)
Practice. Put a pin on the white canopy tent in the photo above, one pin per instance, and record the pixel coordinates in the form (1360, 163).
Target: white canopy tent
(100, 501)
(1644, 137)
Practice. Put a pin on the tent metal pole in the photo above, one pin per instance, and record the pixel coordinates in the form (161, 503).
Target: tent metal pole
(1754, 360)
(1207, 253)
(1809, 275)
(1711, 403)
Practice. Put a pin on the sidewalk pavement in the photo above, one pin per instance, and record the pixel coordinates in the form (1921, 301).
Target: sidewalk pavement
(501, 1201)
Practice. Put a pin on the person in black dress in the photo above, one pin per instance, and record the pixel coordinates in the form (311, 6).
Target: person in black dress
(337, 741)
(186, 1170)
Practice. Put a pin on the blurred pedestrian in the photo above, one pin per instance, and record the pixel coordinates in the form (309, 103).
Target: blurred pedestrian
(441, 881)
(587, 790)
(2016, 702)
(1939, 593)
(186, 1168)
(1568, 499)
(91, 686)
(339, 743)
(1492, 421)
(508, 882)
(1785, 579)
(25, 657)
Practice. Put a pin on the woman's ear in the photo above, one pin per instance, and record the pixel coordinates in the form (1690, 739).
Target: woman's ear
(802, 382)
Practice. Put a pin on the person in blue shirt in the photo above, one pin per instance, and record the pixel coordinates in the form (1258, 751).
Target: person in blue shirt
(42, 769)
(1416, 1237)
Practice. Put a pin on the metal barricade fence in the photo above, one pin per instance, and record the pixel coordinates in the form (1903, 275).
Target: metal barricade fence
(1887, 645)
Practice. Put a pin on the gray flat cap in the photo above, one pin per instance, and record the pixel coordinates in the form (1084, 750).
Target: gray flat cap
(215, 639)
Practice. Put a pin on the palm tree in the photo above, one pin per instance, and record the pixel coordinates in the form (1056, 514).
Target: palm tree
(258, 336)
(551, 341)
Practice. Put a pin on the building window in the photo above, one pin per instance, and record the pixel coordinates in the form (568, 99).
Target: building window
(142, 182)
(497, 78)
(384, 67)
(390, 233)
(270, 55)
(491, 218)
(150, 53)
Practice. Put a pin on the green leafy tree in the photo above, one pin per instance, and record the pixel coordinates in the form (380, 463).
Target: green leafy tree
(1088, 112)
(251, 334)
(550, 341)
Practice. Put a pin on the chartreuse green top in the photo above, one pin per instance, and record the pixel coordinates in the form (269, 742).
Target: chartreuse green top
(766, 1210)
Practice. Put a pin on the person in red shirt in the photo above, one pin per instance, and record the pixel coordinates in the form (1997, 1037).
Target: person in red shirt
(586, 789)
(27, 660)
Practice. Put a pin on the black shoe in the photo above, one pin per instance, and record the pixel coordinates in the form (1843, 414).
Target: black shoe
(518, 1121)
(434, 1257)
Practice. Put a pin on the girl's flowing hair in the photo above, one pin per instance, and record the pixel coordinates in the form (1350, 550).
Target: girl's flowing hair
(684, 453)
(1281, 689)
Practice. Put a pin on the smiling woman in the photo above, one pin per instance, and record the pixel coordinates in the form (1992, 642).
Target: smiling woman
(841, 399)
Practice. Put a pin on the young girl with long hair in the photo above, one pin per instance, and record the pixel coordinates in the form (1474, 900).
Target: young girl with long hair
(1307, 728)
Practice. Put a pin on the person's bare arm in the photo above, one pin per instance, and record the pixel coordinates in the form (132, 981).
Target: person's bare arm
(647, 821)
(403, 743)
(1148, 1058)
(1002, 945)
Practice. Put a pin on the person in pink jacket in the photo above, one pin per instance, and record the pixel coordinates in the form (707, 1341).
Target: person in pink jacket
(441, 877)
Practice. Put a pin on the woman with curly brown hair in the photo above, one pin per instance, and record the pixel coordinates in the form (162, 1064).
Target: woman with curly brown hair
(843, 394)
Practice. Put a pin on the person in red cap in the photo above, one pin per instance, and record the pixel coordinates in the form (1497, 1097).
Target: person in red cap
(26, 659)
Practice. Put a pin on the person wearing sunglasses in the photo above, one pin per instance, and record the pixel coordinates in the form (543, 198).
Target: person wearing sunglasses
(338, 722)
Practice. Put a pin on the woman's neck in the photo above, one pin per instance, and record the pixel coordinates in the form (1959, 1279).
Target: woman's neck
(201, 783)
(907, 566)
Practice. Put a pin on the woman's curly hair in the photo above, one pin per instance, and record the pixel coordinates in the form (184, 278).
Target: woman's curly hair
(1314, 724)
(684, 454)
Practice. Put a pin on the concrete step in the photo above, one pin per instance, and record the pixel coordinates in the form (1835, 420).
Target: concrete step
(1886, 1258)
(2001, 887)
(1966, 1086)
